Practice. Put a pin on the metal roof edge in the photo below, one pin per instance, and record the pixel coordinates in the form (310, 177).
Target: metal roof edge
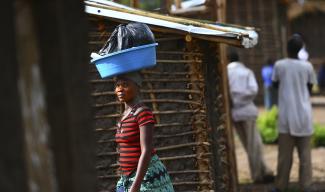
(245, 36)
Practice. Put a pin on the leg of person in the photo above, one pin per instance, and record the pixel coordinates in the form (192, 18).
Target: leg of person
(260, 172)
(267, 98)
(240, 127)
(305, 164)
(286, 146)
(241, 130)
(274, 96)
(252, 143)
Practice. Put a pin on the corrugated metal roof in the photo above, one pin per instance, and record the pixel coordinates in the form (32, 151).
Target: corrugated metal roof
(240, 36)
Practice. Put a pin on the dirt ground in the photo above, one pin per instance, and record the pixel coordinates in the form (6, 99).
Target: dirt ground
(270, 152)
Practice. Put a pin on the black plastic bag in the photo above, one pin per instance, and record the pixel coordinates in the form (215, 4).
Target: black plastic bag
(126, 36)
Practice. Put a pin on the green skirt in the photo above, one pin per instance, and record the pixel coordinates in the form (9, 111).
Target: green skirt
(155, 180)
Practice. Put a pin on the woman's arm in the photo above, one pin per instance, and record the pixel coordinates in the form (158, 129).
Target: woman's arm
(146, 142)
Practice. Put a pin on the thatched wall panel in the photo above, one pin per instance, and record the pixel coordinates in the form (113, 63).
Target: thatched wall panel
(176, 92)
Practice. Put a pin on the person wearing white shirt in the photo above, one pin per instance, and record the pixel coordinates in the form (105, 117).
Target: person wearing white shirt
(243, 90)
(294, 79)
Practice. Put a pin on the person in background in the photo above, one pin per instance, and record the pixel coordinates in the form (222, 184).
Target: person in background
(243, 89)
(294, 79)
(267, 71)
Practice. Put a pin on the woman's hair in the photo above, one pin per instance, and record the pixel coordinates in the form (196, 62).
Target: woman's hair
(127, 36)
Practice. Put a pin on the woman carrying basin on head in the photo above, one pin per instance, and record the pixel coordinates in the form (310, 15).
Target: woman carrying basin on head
(140, 166)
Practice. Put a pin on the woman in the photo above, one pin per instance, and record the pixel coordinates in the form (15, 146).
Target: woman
(140, 166)
(141, 169)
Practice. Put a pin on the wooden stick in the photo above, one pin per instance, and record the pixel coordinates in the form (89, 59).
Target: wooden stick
(183, 157)
(168, 38)
(156, 126)
(179, 53)
(174, 183)
(178, 4)
(106, 129)
(187, 171)
(109, 177)
(155, 113)
(178, 61)
(95, 42)
(183, 145)
(152, 91)
(192, 183)
(169, 158)
(169, 172)
(150, 80)
(163, 73)
(152, 101)
(175, 135)
(161, 148)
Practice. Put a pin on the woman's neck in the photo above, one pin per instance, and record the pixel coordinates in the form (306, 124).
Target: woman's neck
(132, 103)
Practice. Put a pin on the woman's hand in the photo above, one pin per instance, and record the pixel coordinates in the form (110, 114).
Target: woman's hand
(135, 188)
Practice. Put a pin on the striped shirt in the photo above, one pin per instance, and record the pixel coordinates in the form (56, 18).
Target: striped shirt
(128, 137)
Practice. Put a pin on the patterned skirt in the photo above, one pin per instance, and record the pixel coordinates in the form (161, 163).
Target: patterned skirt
(155, 180)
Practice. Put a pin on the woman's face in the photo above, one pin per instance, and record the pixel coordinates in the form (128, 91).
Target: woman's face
(125, 90)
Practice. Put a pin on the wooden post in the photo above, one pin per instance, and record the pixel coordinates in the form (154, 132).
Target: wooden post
(221, 13)
(165, 6)
(62, 35)
(134, 3)
(178, 4)
(13, 176)
(38, 155)
(196, 72)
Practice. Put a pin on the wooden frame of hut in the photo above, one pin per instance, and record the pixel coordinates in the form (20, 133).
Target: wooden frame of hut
(187, 92)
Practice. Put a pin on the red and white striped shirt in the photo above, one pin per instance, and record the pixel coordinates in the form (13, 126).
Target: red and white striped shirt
(128, 137)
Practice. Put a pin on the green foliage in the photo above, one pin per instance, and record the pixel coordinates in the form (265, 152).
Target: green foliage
(318, 138)
(148, 5)
(267, 125)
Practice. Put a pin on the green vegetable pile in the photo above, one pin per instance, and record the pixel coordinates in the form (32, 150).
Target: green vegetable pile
(318, 138)
(267, 125)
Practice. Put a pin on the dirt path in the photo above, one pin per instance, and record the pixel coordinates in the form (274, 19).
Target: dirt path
(271, 151)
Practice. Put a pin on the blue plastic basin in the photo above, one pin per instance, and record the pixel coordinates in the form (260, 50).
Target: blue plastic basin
(127, 60)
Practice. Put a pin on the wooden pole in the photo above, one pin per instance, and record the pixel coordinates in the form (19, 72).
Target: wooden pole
(221, 13)
(13, 174)
(178, 4)
(32, 95)
(200, 129)
(62, 34)
(134, 3)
